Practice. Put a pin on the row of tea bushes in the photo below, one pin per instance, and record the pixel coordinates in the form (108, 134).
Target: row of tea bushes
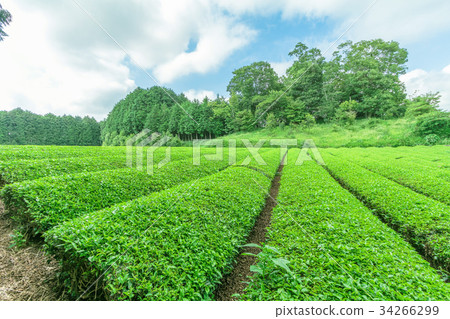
(423, 221)
(23, 170)
(171, 245)
(41, 204)
(324, 244)
(432, 182)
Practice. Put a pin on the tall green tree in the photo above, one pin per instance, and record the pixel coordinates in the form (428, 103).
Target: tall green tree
(133, 113)
(223, 115)
(5, 19)
(305, 78)
(187, 127)
(368, 72)
(244, 121)
(274, 103)
(174, 120)
(258, 78)
(295, 112)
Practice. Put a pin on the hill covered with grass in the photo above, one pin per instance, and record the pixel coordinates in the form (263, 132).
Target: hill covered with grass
(362, 133)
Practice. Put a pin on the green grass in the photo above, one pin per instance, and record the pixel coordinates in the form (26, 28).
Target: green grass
(363, 133)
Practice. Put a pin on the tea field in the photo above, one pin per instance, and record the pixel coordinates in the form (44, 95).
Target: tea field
(370, 224)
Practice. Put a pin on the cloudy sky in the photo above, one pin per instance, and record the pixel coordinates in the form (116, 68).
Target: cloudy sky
(80, 57)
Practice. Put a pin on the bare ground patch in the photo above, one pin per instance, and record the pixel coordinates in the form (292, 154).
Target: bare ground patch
(25, 273)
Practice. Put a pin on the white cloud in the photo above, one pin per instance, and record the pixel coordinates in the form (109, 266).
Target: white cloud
(216, 43)
(446, 70)
(281, 67)
(199, 95)
(420, 82)
(57, 60)
(37, 77)
(155, 33)
(290, 8)
(405, 22)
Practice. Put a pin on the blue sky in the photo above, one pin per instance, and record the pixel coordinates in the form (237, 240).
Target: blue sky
(274, 40)
(58, 60)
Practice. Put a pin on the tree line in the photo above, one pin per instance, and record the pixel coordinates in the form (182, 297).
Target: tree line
(361, 80)
(19, 127)
(161, 110)
(26, 128)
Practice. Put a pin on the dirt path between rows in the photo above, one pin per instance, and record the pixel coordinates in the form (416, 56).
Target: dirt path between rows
(25, 273)
(233, 283)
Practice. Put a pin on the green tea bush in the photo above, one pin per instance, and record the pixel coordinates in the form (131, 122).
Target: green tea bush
(30, 152)
(172, 245)
(43, 203)
(424, 222)
(429, 181)
(22, 170)
(324, 244)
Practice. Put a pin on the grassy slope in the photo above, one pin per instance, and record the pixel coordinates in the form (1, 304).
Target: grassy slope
(364, 133)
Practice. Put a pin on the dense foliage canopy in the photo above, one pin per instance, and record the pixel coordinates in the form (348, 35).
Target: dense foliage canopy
(360, 81)
(26, 128)
(160, 110)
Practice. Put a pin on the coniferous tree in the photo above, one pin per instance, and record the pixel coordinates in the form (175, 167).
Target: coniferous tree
(5, 19)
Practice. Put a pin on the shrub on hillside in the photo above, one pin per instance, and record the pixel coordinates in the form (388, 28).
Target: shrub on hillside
(346, 113)
(309, 121)
(434, 123)
(423, 104)
(271, 121)
(431, 139)
(175, 141)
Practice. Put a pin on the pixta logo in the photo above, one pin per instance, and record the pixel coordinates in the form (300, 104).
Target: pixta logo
(141, 148)
(309, 150)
